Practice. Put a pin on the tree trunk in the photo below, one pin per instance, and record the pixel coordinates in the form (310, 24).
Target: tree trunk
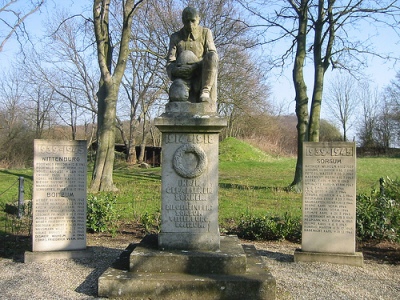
(315, 114)
(301, 94)
(142, 153)
(319, 71)
(131, 153)
(102, 178)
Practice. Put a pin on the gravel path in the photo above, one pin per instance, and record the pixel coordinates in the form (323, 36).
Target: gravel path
(77, 279)
(328, 281)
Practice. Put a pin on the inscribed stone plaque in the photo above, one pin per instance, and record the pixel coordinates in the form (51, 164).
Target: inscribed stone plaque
(329, 203)
(190, 191)
(59, 195)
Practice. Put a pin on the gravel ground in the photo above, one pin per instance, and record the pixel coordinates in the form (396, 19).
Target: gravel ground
(77, 279)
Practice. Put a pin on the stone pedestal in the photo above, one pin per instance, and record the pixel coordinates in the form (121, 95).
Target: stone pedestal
(189, 212)
(351, 259)
(235, 272)
(189, 259)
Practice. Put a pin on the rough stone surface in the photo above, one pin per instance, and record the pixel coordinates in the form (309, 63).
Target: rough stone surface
(59, 195)
(256, 283)
(329, 202)
(231, 259)
(192, 62)
(354, 259)
(203, 108)
(189, 212)
(40, 256)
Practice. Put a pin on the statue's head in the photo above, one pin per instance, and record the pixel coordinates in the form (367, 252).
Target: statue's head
(190, 18)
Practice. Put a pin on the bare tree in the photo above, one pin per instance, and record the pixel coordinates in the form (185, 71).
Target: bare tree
(326, 24)
(15, 132)
(242, 90)
(145, 80)
(369, 117)
(102, 179)
(13, 14)
(392, 94)
(241, 87)
(342, 101)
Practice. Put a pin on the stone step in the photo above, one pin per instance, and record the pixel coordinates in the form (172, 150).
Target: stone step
(230, 259)
(255, 283)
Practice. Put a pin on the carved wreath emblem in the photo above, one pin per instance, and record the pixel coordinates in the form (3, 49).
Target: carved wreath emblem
(179, 157)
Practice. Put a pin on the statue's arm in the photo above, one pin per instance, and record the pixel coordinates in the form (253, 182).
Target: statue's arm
(171, 57)
(209, 41)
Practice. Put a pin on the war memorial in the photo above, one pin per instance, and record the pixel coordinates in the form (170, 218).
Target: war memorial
(189, 258)
(59, 200)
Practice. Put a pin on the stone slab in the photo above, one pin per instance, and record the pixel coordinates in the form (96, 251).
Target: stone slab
(189, 189)
(231, 259)
(190, 241)
(182, 122)
(355, 259)
(40, 256)
(256, 283)
(59, 195)
(204, 108)
(329, 197)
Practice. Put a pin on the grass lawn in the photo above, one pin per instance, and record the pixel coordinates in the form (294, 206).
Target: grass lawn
(251, 182)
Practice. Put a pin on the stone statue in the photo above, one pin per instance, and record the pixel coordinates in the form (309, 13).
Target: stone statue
(192, 62)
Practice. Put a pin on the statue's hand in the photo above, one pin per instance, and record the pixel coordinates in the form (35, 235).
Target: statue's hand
(184, 71)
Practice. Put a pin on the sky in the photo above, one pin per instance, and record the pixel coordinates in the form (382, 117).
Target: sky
(378, 72)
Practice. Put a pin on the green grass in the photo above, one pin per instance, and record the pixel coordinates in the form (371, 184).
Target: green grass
(234, 150)
(250, 182)
(370, 169)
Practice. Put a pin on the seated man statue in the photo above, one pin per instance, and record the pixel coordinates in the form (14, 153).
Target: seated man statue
(192, 61)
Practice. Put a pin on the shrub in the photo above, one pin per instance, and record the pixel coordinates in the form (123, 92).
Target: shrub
(102, 215)
(378, 215)
(151, 222)
(269, 228)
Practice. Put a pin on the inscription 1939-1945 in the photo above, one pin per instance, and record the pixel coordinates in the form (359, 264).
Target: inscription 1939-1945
(329, 178)
(60, 149)
(59, 204)
(329, 151)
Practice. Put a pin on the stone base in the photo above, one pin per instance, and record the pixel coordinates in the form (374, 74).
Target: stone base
(39, 256)
(352, 259)
(189, 108)
(231, 259)
(189, 241)
(234, 272)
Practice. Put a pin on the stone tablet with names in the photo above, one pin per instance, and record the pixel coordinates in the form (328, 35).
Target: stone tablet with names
(329, 202)
(190, 189)
(59, 195)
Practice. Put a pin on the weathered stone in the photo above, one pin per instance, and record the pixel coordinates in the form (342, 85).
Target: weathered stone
(255, 283)
(59, 195)
(329, 201)
(189, 259)
(192, 62)
(231, 259)
(329, 197)
(40, 256)
(352, 259)
(189, 212)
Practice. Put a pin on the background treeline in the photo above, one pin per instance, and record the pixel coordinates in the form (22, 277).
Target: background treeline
(51, 89)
